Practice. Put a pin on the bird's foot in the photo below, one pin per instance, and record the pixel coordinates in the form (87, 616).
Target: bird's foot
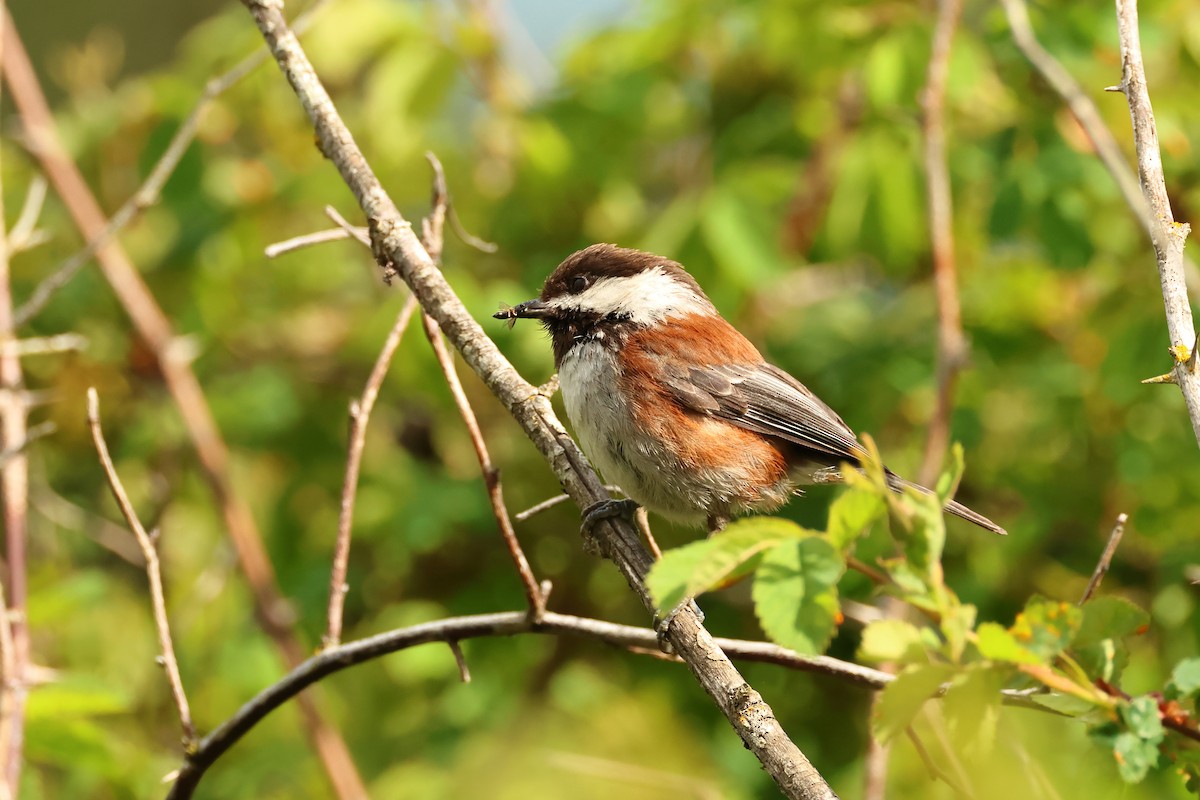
(662, 624)
(598, 512)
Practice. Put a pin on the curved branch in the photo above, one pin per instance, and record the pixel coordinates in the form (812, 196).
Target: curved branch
(399, 251)
(456, 629)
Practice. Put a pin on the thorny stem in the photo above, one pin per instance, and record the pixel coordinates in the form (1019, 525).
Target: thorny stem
(1167, 235)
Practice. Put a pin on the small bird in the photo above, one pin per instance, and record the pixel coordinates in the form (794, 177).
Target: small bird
(676, 406)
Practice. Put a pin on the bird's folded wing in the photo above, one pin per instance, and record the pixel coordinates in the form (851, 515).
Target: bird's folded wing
(765, 399)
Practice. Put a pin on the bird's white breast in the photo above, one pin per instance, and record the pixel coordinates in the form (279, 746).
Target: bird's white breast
(626, 455)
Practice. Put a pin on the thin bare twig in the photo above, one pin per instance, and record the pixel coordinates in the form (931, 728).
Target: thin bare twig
(24, 234)
(156, 331)
(432, 228)
(464, 672)
(153, 571)
(45, 345)
(398, 250)
(550, 503)
(361, 234)
(307, 240)
(1167, 235)
(951, 343)
(360, 414)
(1110, 549)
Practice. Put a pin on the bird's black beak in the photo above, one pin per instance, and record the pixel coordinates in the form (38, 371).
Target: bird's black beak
(530, 309)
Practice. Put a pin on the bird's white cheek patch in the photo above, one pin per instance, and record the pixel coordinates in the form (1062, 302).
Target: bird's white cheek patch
(644, 298)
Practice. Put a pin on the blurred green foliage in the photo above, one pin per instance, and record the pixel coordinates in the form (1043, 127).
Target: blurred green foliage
(773, 148)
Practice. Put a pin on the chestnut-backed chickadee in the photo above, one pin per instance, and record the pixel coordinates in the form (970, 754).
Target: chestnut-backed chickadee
(673, 404)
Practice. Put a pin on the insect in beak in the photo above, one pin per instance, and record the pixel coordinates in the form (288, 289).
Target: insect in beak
(530, 309)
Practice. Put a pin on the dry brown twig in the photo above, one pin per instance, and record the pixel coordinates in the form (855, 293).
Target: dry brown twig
(1110, 549)
(153, 571)
(14, 496)
(951, 343)
(398, 249)
(155, 329)
(360, 415)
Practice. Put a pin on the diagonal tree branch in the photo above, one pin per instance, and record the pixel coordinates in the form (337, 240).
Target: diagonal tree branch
(154, 328)
(397, 248)
(1167, 235)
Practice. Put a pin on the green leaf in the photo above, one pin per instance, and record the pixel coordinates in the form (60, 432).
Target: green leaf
(948, 481)
(997, 643)
(697, 567)
(896, 640)
(1135, 756)
(972, 707)
(852, 514)
(1046, 627)
(1185, 679)
(1067, 704)
(902, 699)
(795, 593)
(1142, 717)
(1109, 618)
(957, 623)
(1103, 660)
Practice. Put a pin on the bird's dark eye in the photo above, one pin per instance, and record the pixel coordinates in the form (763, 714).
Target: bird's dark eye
(577, 284)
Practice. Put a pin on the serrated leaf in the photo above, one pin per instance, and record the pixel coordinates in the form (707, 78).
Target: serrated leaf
(1142, 717)
(1046, 627)
(697, 567)
(1109, 618)
(1185, 678)
(795, 593)
(902, 699)
(995, 642)
(852, 514)
(894, 640)
(1135, 756)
